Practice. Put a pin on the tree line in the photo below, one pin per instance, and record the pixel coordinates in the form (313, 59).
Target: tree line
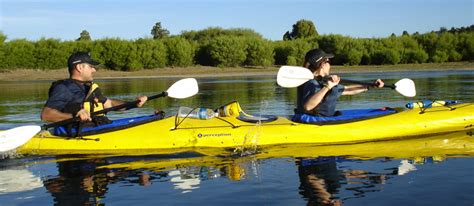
(239, 47)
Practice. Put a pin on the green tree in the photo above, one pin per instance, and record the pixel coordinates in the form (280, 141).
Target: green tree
(19, 54)
(440, 56)
(76, 46)
(228, 51)
(346, 50)
(414, 56)
(466, 45)
(203, 38)
(302, 29)
(259, 52)
(293, 52)
(428, 41)
(84, 36)
(385, 56)
(159, 32)
(180, 51)
(205, 35)
(152, 53)
(447, 42)
(117, 54)
(3, 37)
(50, 54)
(354, 57)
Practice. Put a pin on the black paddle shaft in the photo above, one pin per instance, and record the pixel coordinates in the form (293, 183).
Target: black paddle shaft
(348, 81)
(366, 83)
(128, 105)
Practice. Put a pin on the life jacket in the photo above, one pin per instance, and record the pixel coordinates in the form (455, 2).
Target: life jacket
(90, 102)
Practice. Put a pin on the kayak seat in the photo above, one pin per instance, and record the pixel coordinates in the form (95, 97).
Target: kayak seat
(118, 124)
(258, 118)
(233, 109)
(344, 117)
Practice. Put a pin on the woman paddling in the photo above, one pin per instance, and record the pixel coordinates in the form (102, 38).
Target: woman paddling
(319, 96)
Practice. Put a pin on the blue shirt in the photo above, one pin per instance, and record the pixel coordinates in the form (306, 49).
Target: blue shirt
(327, 106)
(68, 96)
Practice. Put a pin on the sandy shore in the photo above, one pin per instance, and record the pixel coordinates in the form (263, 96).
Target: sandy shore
(200, 71)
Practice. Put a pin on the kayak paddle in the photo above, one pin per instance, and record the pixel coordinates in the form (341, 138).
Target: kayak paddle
(15, 137)
(293, 76)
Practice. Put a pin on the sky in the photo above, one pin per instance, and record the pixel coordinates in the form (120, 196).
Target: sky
(133, 19)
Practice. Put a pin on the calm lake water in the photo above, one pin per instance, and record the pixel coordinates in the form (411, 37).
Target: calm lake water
(416, 172)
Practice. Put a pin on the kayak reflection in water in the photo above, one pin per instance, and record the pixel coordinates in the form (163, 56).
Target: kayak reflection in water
(321, 180)
(83, 182)
(78, 183)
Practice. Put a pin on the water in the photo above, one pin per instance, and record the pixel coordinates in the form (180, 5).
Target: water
(364, 174)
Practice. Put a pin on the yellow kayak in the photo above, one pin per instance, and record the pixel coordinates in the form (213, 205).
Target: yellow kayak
(173, 134)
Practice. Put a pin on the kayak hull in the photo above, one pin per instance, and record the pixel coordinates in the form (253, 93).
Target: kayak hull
(439, 147)
(163, 136)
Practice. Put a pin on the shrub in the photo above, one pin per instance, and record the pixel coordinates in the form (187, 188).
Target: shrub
(227, 51)
(180, 51)
(19, 54)
(259, 52)
(50, 54)
(151, 53)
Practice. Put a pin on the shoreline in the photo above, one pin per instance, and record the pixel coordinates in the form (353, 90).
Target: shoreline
(202, 71)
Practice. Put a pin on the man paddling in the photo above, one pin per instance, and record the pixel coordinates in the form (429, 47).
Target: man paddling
(78, 96)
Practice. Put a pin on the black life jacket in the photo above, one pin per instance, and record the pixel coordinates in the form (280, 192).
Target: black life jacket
(90, 102)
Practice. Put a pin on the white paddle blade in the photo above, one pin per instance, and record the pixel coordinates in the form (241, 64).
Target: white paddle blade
(13, 138)
(406, 87)
(183, 88)
(293, 76)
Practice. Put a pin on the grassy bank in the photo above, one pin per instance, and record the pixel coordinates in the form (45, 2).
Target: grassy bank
(199, 71)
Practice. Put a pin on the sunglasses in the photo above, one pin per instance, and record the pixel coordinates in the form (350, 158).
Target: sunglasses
(325, 60)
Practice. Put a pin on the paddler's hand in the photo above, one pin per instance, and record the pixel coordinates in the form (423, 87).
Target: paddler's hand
(84, 115)
(141, 100)
(333, 80)
(379, 83)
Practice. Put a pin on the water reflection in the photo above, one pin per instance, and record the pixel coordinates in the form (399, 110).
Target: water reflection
(18, 179)
(321, 180)
(326, 175)
(87, 181)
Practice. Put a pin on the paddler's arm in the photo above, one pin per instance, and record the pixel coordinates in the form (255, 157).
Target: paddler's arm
(317, 97)
(357, 88)
(114, 102)
(53, 115)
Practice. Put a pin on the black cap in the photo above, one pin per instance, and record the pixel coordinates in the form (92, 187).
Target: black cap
(79, 58)
(314, 56)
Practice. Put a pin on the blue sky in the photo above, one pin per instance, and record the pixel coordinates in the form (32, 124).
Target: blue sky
(65, 19)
